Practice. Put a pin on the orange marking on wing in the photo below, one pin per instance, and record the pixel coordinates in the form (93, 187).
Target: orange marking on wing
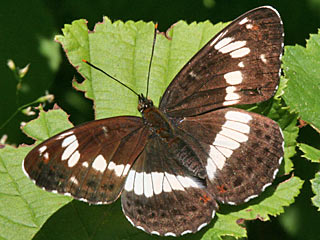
(255, 28)
(205, 198)
(222, 188)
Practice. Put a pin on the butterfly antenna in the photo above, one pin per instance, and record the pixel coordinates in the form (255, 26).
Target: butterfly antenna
(152, 52)
(99, 69)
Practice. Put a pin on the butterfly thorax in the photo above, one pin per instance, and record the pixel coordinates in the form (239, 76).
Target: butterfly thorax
(155, 119)
(176, 147)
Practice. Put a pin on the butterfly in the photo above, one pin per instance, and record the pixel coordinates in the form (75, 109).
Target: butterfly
(175, 163)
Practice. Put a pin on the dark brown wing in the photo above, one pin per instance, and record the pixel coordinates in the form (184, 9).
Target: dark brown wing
(161, 196)
(89, 162)
(241, 152)
(240, 65)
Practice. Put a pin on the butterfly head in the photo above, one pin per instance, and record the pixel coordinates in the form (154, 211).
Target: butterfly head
(144, 103)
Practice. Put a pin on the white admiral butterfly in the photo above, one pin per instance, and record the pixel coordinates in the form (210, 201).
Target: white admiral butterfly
(174, 164)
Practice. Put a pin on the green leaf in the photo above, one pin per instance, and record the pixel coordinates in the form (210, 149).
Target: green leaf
(24, 208)
(123, 50)
(301, 68)
(310, 153)
(47, 124)
(271, 203)
(288, 123)
(315, 183)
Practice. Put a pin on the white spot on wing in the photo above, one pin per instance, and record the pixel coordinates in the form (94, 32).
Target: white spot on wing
(223, 42)
(238, 116)
(126, 169)
(265, 186)
(280, 159)
(74, 180)
(275, 173)
(215, 40)
(138, 183)
(186, 232)
(67, 194)
(243, 21)
(250, 197)
(240, 127)
(226, 142)
(169, 234)
(155, 233)
(173, 181)
(147, 185)
(64, 135)
(231, 95)
(231, 102)
(240, 52)
(239, 137)
(85, 164)
(192, 74)
(232, 46)
(129, 220)
(118, 169)
(263, 58)
(141, 228)
(157, 180)
(225, 151)
(187, 182)
(217, 158)
(213, 213)
(111, 165)
(249, 26)
(46, 155)
(99, 163)
(202, 226)
(240, 64)
(166, 185)
(42, 149)
(210, 168)
(70, 149)
(68, 140)
(73, 160)
(233, 78)
(130, 180)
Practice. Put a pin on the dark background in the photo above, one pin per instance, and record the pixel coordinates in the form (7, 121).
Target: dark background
(27, 29)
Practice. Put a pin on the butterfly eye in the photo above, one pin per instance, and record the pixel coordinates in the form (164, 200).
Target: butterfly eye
(144, 104)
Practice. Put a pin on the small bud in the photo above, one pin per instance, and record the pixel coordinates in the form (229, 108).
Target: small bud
(23, 71)
(3, 139)
(48, 97)
(28, 111)
(11, 64)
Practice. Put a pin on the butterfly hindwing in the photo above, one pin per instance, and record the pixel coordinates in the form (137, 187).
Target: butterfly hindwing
(240, 65)
(162, 197)
(89, 162)
(241, 152)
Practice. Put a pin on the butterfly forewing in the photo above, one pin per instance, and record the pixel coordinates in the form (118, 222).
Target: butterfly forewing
(162, 197)
(89, 162)
(240, 65)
